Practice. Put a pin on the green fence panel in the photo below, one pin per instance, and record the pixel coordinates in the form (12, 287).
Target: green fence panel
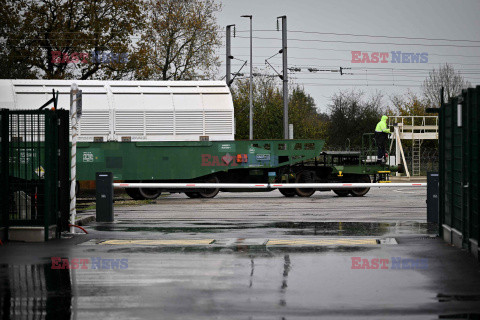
(459, 162)
(447, 163)
(4, 196)
(473, 118)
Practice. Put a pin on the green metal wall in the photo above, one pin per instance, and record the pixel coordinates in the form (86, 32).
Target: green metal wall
(459, 175)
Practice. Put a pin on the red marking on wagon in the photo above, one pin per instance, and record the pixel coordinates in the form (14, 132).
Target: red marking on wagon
(347, 184)
(259, 185)
(190, 185)
(124, 184)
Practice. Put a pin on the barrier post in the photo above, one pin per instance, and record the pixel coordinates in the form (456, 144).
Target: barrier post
(104, 195)
(433, 197)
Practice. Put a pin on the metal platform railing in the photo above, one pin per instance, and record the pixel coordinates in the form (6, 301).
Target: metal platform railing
(415, 127)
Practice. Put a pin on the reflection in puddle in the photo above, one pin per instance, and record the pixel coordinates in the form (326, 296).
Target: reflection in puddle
(283, 288)
(356, 228)
(252, 269)
(35, 292)
(287, 228)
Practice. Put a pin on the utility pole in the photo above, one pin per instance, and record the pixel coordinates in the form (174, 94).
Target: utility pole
(251, 77)
(284, 75)
(229, 55)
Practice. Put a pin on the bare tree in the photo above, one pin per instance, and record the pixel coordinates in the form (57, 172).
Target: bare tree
(180, 40)
(53, 39)
(446, 77)
(408, 104)
(268, 110)
(351, 115)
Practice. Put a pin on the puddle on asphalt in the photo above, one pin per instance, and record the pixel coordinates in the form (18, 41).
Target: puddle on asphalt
(35, 292)
(287, 228)
(447, 298)
(242, 250)
(457, 316)
(356, 228)
(158, 229)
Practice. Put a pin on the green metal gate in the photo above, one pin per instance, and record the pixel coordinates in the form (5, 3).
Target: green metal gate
(459, 174)
(34, 154)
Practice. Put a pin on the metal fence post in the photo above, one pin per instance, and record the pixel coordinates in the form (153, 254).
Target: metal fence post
(51, 168)
(4, 169)
(63, 171)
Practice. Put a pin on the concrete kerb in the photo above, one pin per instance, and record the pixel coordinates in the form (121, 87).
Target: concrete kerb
(84, 219)
(407, 179)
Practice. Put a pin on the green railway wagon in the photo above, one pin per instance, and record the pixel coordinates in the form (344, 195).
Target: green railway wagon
(206, 161)
(216, 161)
(227, 161)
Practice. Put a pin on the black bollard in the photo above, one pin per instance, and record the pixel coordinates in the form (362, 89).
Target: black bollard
(432, 197)
(104, 191)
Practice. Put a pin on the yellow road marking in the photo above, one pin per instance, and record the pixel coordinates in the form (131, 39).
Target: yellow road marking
(321, 242)
(182, 242)
(272, 242)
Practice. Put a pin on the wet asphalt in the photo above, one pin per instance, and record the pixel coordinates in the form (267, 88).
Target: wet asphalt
(247, 256)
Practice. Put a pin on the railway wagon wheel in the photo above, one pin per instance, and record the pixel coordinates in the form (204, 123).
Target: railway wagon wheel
(134, 193)
(289, 193)
(341, 192)
(304, 177)
(192, 195)
(209, 193)
(361, 191)
(149, 193)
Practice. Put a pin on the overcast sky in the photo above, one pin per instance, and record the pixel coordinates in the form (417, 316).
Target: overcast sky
(307, 19)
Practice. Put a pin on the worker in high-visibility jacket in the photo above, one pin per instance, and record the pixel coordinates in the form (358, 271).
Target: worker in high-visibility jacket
(381, 136)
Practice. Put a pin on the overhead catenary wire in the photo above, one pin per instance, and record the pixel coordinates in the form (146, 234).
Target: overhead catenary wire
(345, 50)
(368, 42)
(349, 60)
(299, 32)
(368, 35)
(368, 75)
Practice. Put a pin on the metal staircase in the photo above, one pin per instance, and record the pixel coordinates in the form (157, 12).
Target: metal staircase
(415, 129)
(416, 161)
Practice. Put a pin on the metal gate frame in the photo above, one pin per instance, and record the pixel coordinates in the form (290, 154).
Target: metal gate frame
(34, 168)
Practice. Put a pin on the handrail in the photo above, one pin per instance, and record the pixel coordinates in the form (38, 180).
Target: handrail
(415, 124)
